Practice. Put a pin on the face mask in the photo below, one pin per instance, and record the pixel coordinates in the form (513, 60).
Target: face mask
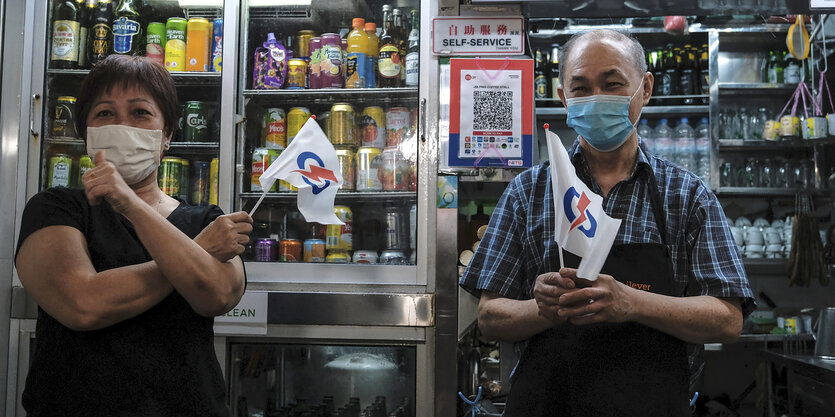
(135, 152)
(602, 120)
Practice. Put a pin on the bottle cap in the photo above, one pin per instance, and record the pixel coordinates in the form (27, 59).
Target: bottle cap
(370, 27)
(358, 22)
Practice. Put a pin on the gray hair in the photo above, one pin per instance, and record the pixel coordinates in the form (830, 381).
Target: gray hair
(633, 48)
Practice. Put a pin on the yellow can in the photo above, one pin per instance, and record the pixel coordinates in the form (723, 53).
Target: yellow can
(296, 118)
(175, 46)
(367, 179)
(198, 45)
(301, 45)
(339, 237)
(213, 173)
(372, 126)
(296, 74)
(790, 126)
(348, 166)
(341, 127)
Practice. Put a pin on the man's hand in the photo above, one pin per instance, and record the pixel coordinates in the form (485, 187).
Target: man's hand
(547, 290)
(105, 182)
(227, 236)
(602, 300)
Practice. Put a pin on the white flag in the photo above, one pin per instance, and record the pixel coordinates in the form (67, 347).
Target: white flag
(310, 164)
(582, 227)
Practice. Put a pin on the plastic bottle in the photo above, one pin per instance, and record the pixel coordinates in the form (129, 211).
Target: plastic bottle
(703, 150)
(685, 145)
(662, 135)
(373, 53)
(645, 133)
(357, 55)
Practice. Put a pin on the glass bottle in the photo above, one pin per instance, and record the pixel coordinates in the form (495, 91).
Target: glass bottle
(101, 34)
(402, 42)
(65, 35)
(85, 7)
(388, 64)
(540, 82)
(554, 71)
(413, 53)
(128, 33)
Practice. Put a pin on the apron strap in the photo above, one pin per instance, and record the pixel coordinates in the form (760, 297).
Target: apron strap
(657, 207)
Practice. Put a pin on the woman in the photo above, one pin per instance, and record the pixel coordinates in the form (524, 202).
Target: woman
(127, 279)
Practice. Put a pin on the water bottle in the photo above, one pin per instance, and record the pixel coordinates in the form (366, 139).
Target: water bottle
(703, 150)
(645, 133)
(662, 137)
(685, 145)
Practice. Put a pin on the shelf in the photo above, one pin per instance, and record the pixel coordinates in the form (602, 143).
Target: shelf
(730, 26)
(754, 87)
(181, 78)
(648, 110)
(194, 146)
(765, 266)
(65, 141)
(762, 145)
(333, 95)
(763, 192)
(343, 196)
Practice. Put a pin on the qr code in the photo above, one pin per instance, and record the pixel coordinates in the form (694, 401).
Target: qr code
(493, 110)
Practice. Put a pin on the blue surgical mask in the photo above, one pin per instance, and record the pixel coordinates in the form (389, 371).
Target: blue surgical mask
(602, 120)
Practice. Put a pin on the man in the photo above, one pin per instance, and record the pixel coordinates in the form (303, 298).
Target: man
(630, 342)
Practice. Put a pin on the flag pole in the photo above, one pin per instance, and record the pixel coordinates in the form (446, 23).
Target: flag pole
(548, 142)
(264, 194)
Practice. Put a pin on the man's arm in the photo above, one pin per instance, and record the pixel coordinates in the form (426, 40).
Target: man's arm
(501, 318)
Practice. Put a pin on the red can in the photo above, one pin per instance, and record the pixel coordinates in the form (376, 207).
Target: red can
(397, 125)
(290, 250)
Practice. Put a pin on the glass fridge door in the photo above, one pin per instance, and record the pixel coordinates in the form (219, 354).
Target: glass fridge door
(354, 65)
(185, 36)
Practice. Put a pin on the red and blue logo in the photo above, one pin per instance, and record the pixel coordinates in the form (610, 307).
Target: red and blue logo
(315, 172)
(579, 221)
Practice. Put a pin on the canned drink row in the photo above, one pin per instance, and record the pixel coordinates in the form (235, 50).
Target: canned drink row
(313, 251)
(195, 44)
(66, 170)
(194, 181)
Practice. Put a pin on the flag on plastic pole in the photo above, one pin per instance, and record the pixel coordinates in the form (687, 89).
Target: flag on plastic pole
(582, 227)
(310, 164)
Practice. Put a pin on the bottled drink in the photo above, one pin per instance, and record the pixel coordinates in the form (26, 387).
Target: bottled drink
(662, 135)
(758, 123)
(128, 34)
(703, 150)
(743, 124)
(791, 71)
(413, 53)
(85, 8)
(388, 64)
(775, 70)
(357, 56)
(540, 81)
(554, 71)
(373, 54)
(685, 145)
(101, 35)
(66, 33)
(645, 133)
(689, 80)
(402, 43)
(769, 63)
(658, 73)
(704, 74)
(669, 80)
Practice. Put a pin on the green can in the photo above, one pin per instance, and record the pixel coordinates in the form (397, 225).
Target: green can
(155, 42)
(60, 167)
(195, 126)
(185, 167)
(169, 176)
(85, 163)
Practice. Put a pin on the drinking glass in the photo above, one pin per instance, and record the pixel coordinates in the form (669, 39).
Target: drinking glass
(751, 173)
(742, 124)
(766, 177)
(726, 177)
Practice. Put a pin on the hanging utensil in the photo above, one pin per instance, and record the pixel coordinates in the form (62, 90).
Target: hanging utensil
(797, 40)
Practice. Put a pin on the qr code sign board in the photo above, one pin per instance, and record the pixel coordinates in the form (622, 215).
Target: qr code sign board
(492, 110)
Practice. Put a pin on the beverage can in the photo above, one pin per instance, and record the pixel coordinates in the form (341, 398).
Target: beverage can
(217, 46)
(85, 163)
(290, 250)
(296, 74)
(315, 47)
(789, 126)
(195, 119)
(338, 257)
(396, 229)
(155, 42)
(274, 128)
(392, 257)
(60, 167)
(367, 164)
(296, 118)
(301, 44)
(169, 175)
(771, 131)
(197, 44)
(341, 129)
(348, 166)
(365, 257)
(791, 325)
(815, 128)
(200, 183)
(314, 250)
(331, 74)
(286, 186)
(175, 44)
(265, 250)
(185, 171)
(339, 237)
(63, 122)
(213, 174)
(372, 126)
(394, 171)
(397, 125)
(324, 120)
(261, 160)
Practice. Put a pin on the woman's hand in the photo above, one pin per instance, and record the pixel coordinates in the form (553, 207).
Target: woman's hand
(105, 182)
(227, 236)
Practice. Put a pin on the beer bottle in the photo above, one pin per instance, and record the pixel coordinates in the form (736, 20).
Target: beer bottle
(65, 35)
(540, 82)
(669, 80)
(128, 34)
(84, 9)
(388, 64)
(555, 71)
(687, 74)
(402, 44)
(101, 35)
(413, 53)
(658, 72)
(704, 74)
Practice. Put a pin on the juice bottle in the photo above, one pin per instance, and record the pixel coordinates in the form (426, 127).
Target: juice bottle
(355, 74)
(373, 53)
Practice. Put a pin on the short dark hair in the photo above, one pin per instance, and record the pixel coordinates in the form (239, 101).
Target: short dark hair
(128, 71)
(633, 47)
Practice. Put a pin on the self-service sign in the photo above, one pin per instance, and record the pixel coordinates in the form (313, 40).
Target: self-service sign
(478, 35)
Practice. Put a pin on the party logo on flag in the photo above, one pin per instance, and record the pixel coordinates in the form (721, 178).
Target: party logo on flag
(316, 173)
(582, 207)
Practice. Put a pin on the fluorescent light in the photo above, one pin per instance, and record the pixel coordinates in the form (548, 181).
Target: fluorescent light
(274, 3)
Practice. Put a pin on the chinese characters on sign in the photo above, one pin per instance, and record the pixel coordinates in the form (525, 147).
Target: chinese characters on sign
(478, 35)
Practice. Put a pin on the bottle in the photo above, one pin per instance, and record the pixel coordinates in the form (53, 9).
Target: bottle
(704, 74)
(356, 54)
(703, 150)
(791, 70)
(65, 35)
(669, 80)
(685, 145)
(402, 43)
(775, 68)
(540, 82)
(413, 53)
(388, 63)
(658, 73)
(128, 36)
(101, 35)
(689, 79)
(373, 53)
(662, 137)
(85, 7)
(554, 71)
(645, 133)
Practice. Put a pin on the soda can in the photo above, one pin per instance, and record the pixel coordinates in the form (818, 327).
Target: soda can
(397, 125)
(331, 73)
(367, 164)
(324, 121)
(60, 167)
(63, 122)
(296, 74)
(213, 174)
(396, 229)
(392, 257)
(339, 237)
(290, 250)
(155, 42)
(85, 163)
(394, 170)
(790, 127)
(274, 128)
(348, 166)
(314, 250)
(413, 227)
(266, 250)
(338, 257)
(372, 127)
(301, 45)
(175, 44)
(185, 170)
(217, 46)
(261, 160)
(195, 119)
(169, 175)
(315, 48)
(197, 44)
(200, 179)
(341, 127)
(296, 118)
(365, 257)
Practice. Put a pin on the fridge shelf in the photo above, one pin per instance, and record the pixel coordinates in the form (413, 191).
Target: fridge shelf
(742, 145)
(343, 196)
(181, 78)
(757, 87)
(332, 95)
(648, 110)
(64, 140)
(195, 146)
(762, 192)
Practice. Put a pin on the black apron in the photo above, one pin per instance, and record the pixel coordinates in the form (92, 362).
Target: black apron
(608, 369)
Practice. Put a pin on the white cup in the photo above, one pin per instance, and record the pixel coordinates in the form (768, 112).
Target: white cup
(778, 223)
(749, 249)
(742, 221)
(772, 236)
(754, 255)
(761, 222)
(738, 234)
(830, 118)
(774, 251)
(754, 236)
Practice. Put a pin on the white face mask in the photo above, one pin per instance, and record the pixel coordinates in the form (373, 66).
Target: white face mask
(134, 151)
